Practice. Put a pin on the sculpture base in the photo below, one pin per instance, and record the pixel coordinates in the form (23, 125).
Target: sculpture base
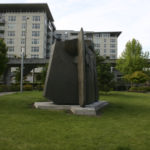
(89, 110)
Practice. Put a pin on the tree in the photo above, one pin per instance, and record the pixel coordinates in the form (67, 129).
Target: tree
(43, 73)
(132, 59)
(104, 75)
(137, 77)
(3, 56)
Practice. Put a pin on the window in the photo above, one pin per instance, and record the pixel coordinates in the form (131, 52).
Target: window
(113, 56)
(11, 33)
(10, 49)
(24, 18)
(104, 40)
(34, 56)
(35, 26)
(35, 33)
(104, 50)
(112, 40)
(10, 55)
(97, 35)
(34, 49)
(11, 18)
(112, 51)
(105, 45)
(10, 41)
(23, 26)
(36, 18)
(106, 35)
(35, 41)
(22, 41)
(11, 26)
(23, 33)
(97, 45)
(112, 45)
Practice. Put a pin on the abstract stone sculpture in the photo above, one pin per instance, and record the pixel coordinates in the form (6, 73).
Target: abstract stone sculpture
(71, 76)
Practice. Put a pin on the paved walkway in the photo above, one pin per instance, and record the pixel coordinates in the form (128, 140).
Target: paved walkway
(6, 93)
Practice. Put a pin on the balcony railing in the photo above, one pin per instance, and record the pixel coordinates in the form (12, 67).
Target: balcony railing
(1, 35)
(2, 28)
(2, 20)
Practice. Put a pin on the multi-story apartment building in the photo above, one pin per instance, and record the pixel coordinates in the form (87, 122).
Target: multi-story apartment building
(105, 43)
(27, 27)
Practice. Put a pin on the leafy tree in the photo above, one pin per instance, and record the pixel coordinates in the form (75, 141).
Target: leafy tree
(132, 59)
(104, 75)
(3, 56)
(43, 73)
(137, 77)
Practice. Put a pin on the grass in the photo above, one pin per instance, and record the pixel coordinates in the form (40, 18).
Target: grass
(123, 125)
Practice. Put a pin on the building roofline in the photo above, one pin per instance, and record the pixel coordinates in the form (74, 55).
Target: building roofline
(117, 33)
(23, 7)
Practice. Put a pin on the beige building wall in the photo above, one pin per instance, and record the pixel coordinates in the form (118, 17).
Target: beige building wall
(25, 27)
(105, 43)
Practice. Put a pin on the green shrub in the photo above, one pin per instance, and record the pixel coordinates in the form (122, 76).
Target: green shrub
(14, 87)
(140, 89)
(28, 87)
(40, 87)
(4, 88)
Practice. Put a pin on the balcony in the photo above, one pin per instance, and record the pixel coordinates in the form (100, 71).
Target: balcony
(2, 21)
(2, 29)
(1, 36)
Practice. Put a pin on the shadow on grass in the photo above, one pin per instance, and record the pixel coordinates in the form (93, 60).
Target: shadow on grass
(123, 148)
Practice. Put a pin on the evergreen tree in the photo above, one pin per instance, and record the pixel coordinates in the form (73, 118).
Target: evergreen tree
(3, 56)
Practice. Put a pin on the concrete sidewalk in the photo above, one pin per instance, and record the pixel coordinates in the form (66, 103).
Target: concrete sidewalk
(6, 93)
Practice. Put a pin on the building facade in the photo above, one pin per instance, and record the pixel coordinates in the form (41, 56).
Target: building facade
(27, 27)
(105, 43)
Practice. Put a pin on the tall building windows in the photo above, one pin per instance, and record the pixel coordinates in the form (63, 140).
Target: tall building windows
(34, 56)
(112, 40)
(104, 40)
(22, 41)
(35, 33)
(11, 18)
(23, 26)
(106, 35)
(10, 41)
(11, 33)
(11, 49)
(112, 51)
(24, 18)
(35, 41)
(112, 45)
(11, 26)
(96, 45)
(35, 26)
(113, 56)
(23, 33)
(36, 18)
(104, 50)
(34, 49)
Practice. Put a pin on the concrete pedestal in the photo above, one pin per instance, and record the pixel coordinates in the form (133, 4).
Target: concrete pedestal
(89, 110)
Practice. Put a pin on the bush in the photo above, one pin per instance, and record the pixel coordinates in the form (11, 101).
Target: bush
(27, 87)
(140, 89)
(14, 87)
(4, 88)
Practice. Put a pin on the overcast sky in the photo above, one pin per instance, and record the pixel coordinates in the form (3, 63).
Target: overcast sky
(132, 17)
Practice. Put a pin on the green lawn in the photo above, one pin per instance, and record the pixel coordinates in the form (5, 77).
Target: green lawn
(123, 125)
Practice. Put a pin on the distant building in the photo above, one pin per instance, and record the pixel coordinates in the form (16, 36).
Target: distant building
(105, 43)
(27, 27)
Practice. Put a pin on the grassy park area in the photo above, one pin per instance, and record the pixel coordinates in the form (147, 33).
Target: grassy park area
(123, 125)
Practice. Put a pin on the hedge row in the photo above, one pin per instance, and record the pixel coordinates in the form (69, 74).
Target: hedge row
(26, 87)
(140, 89)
